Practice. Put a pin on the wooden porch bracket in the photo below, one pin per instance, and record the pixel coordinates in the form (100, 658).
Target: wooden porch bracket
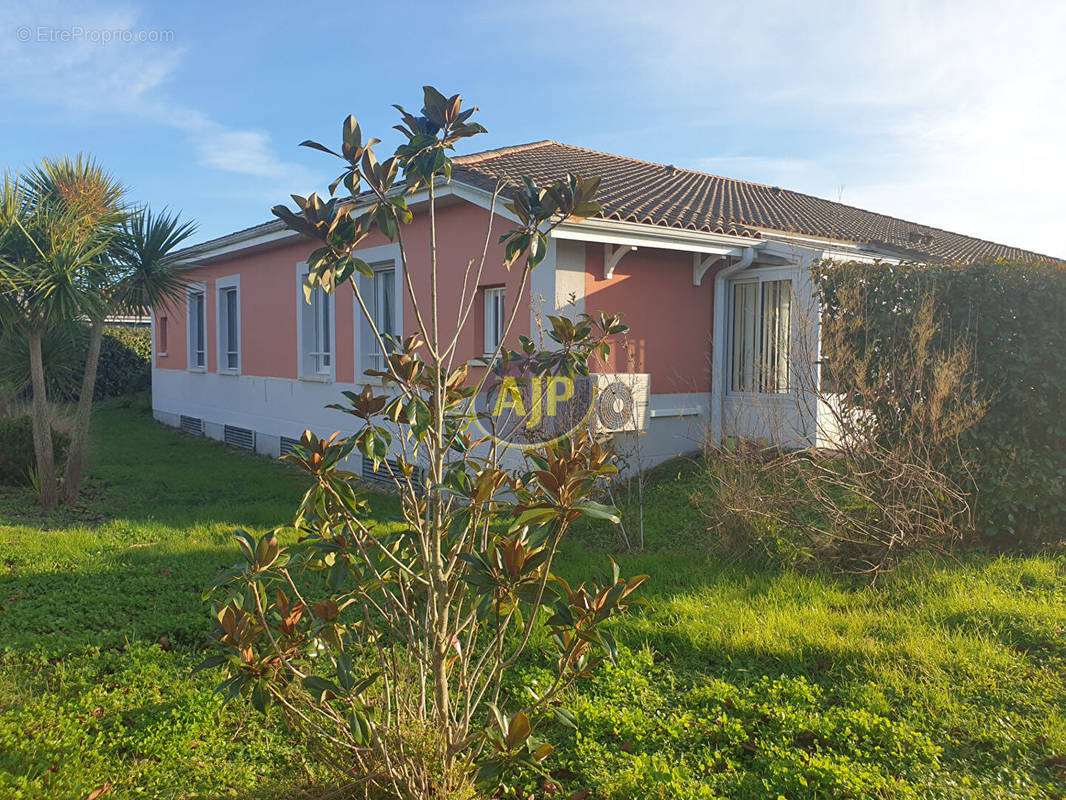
(612, 254)
(701, 263)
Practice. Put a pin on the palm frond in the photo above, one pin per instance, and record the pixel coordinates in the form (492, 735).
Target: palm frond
(79, 185)
(51, 263)
(146, 249)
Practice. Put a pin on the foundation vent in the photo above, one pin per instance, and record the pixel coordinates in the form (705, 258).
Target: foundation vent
(239, 437)
(194, 426)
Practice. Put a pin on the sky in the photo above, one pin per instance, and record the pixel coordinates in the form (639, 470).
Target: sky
(947, 113)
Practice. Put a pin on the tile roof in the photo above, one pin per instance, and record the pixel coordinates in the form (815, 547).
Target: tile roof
(639, 191)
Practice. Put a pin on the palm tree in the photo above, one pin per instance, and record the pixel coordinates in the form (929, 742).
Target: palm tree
(142, 275)
(71, 250)
(52, 249)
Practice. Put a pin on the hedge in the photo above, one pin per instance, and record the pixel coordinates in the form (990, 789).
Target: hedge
(17, 458)
(125, 361)
(1014, 315)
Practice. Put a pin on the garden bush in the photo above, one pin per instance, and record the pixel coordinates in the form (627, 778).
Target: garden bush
(1012, 316)
(16, 450)
(895, 481)
(125, 361)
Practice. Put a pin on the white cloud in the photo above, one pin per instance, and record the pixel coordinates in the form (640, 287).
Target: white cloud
(98, 80)
(950, 113)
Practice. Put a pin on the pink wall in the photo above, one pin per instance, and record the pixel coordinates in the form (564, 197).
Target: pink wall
(268, 296)
(268, 312)
(669, 319)
(460, 240)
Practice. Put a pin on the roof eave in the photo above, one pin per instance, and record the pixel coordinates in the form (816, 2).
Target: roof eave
(662, 237)
(273, 234)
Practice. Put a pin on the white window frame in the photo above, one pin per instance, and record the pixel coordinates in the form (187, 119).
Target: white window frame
(194, 289)
(367, 354)
(495, 298)
(375, 358)
(231, 283)
(759, 281)
(311, 362)
(323, 326)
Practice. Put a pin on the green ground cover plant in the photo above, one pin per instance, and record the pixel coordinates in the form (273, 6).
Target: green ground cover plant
(740, 681)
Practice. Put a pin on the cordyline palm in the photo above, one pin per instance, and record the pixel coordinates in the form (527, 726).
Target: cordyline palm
(124, 264)
(51, 251)
(141, 275)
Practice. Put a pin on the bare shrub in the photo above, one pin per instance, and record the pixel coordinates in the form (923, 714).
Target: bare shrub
(890, 477)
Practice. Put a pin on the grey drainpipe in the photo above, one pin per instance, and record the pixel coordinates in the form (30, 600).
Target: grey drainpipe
(718, 355)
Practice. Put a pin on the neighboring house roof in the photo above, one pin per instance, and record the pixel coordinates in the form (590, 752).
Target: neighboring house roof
(656, 194)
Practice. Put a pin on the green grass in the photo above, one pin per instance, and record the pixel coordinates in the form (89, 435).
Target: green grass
(948, 680)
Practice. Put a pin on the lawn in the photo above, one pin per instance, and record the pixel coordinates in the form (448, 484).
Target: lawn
(949, 680)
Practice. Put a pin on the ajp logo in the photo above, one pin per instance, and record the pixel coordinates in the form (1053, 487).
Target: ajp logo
(519, 408)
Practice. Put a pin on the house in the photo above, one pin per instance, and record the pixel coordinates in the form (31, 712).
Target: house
(710, 273)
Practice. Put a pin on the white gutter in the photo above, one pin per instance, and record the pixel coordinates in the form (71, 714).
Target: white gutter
(635, 234)
(199, 254)
(718, 339)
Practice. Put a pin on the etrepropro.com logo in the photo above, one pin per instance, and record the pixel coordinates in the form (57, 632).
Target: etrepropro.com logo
(70, 34)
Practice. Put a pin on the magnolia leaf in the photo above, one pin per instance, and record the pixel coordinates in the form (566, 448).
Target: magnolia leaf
(564, 716)
(316, 146)
(590, 508)
(518, 730)
(319, 687)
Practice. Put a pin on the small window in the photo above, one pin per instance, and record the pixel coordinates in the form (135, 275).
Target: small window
(495, 306)
(321, 327)
(383, 311)
(197, 329)
(229, 329)
(762, 336)
(161, 337)
(315, 330)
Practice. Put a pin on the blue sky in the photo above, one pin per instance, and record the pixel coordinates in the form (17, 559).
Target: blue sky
(949, 114)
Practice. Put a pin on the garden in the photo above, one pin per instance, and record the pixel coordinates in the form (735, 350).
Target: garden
(736, 680)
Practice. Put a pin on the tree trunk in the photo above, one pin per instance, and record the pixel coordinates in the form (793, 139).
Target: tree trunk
(42, 426)
(79, 440)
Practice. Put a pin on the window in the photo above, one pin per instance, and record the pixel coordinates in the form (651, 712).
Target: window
(762, 336)
(322, 351)
(383, 310)
(161, 337)
(495, 304)
(197, 306)
(229, 329)
(315, 330)
(381, 293)
(318, 333)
